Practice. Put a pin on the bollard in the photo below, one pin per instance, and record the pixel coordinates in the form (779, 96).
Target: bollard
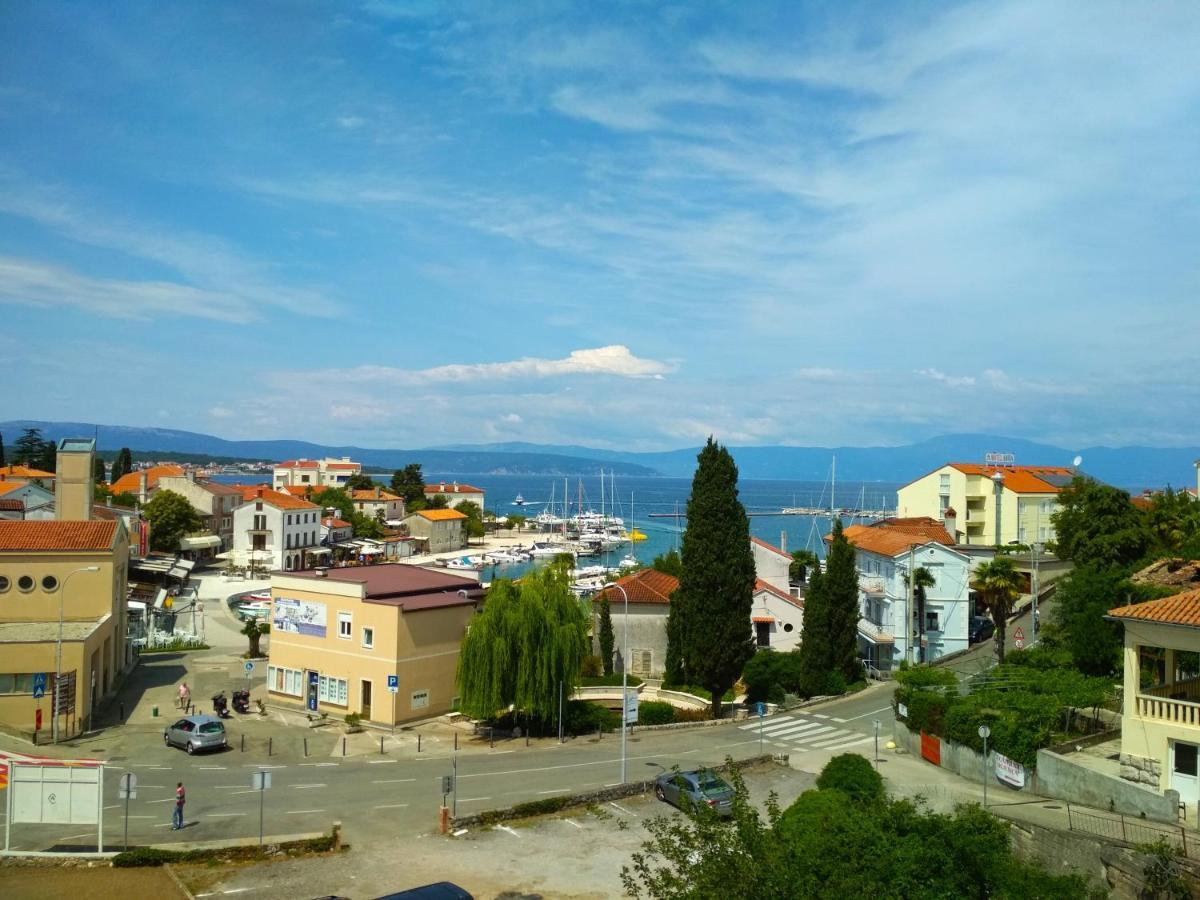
(306, 748)
(343, 746)
(444, 820)
(492, 736)
(526, 737)
(243, 743)
(381, 745)
(418, 743)
(456, 740)
(122, 713)
(270, 745)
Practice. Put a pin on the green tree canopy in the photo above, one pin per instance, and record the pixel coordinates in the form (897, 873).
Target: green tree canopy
(334, 498)
(815, 663)
(27, 450)
(360, 482)
(437, 501)
(530, 636)
(669, 563)
(840, 583)
(1097, 524)
(2, 460)
(474, 523)
(999, 586)
(1174, 522)
(802, 561)
(171, 517)
(606, 634)
(99, 472)
(122, 465)
(716, 589)
(923, 580)
(409, 483)
(517, 522)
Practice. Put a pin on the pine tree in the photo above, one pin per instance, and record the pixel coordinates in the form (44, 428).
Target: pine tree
(98, 471)
(840, 584)
(28, 447)
(814, 644)
(2, 460)
(606, 635)
(122, 465)
(716, 590)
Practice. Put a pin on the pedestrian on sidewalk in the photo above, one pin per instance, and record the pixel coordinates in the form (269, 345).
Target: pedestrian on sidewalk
(185, 696)
(180, 799)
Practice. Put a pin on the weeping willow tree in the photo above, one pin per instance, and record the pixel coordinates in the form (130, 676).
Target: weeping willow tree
(530, 636)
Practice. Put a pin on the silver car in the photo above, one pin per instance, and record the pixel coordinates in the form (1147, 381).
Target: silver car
(701, 787)
(194, 733)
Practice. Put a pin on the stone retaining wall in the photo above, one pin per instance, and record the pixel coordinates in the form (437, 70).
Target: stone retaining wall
(1141, 770)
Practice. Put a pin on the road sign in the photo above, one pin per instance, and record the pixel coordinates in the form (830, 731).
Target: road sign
(249, 667)
(631, 707)
(128, 786)
(1019, 637)
(64, 690)
(761, 708)
(393, 683)
(260, 781)
(39, 685)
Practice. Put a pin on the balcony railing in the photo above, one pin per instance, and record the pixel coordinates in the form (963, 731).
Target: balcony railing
(1162, 709)
(1188, 689)
(875, 631)
(871, 584)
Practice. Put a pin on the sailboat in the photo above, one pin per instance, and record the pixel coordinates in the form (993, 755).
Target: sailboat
(634, 534)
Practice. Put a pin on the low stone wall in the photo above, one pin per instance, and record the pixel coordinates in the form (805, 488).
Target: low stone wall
(1141, 770)
(590, 798)
(1059, 777)
(959, 759)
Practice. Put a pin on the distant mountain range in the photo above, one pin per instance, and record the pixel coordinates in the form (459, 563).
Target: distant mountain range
(1129, 467)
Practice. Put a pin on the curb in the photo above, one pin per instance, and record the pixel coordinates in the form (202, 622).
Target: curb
(170, 870)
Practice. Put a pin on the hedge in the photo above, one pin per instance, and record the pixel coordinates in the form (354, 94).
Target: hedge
(153, 856)
(655, 712)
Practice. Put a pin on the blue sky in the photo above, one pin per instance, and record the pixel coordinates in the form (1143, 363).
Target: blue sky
(617, 224)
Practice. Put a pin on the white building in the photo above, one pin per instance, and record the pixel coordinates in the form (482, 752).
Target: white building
(328, 472)
(778, 613)
(455, 493)
(278, 530)
(377, 503)
(884, 553)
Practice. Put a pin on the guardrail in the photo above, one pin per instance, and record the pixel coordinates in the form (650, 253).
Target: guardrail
(1130, 831)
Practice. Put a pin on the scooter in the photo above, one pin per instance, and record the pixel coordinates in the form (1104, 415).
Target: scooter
(241, 702)
(221, 706)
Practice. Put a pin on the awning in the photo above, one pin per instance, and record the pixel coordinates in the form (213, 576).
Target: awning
(767, 619)
(370, 551)
(318, 551)
(135, 606)
(200, 542)
(160, 599)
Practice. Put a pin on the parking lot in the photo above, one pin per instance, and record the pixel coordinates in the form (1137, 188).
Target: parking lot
(577, 854)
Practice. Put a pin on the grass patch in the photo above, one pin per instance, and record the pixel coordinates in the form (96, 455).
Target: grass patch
(153, 856)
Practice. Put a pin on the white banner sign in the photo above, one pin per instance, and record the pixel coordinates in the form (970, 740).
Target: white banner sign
(1009, 772)
(631, 707)
(61, 794)
(298, 616)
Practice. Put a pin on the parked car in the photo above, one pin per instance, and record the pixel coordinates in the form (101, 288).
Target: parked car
(702, 787)
(194, 733)
(982, 628)
(442, 890)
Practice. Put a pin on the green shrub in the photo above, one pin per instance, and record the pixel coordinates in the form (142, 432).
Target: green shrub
(925, 712)
(835, 683)
(697, 691)
(593, 666)
(176, 645)
(582, 717)
(1021, 723)
(541, 807)
(144, 856)
(655, 712)
(853, 776)
(776, 694)
(768, 672)
(683, 714)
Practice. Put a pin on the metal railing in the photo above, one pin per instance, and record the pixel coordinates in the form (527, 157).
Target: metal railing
(1131, 831)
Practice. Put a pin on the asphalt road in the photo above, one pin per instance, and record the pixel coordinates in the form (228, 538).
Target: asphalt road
(402, 795)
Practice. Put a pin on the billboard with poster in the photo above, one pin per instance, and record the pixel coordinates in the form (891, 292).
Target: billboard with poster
(298, 616)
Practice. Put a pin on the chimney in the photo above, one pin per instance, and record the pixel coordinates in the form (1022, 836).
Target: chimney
(142, 485)
(783, 541)
(377, 491)
(950, 520)
(442, 487)
(190, 473)
(258, 493)
(454, 488)
(75, 467)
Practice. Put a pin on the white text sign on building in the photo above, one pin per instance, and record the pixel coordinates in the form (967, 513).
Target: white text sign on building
(298, 616)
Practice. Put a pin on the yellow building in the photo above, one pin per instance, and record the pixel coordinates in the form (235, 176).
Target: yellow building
(80, 568)
(1160, 718)
(338, 634)
(966, 496)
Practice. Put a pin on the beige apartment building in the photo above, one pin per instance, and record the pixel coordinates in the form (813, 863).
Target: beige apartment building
(974, 500)
(439, 530)
(338, 634)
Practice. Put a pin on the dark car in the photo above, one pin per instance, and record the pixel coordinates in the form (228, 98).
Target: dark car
(442, 890)
(702, 787)
(982, 628)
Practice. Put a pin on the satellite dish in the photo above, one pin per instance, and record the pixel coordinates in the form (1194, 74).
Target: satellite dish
(1077, 462)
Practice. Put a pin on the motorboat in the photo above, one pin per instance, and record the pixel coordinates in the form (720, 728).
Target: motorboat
(629, 561)
(463, 564)
(254, 609)
(588, 572)
(546, 550)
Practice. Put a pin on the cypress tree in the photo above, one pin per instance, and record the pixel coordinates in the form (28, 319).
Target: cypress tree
(122, 465)
(814, 643)
(674, 672)
(606, 635)
(2, 460)
(98, 470)
(716, 589)
(840, 586)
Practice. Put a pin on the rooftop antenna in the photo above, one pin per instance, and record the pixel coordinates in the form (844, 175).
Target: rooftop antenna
(1076, 463)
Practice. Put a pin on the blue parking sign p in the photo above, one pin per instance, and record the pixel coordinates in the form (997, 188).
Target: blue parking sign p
(393, 681)
(39, 685)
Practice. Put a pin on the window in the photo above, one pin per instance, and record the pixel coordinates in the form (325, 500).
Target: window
(420, 699)
(368, 638)
(931, 621)
(788, 627)
(257, 508)
(285, 681)
(762, 631)
(1185, 759)
(49, 584)
(225, 522)
(16, 683)
(4, 583)
(25, 583)
(332, 690)
(345, 625)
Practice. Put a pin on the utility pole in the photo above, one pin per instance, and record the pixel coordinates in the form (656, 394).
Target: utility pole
(908, 612)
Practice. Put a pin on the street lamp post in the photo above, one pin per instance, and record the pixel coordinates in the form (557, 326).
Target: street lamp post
(985, 733)
(624, 678)
(62, 592)
(1037, 551)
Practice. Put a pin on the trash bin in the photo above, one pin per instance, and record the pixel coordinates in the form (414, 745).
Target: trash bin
(154, 711)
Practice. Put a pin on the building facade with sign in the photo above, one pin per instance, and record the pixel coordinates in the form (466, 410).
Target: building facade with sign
(338, 634)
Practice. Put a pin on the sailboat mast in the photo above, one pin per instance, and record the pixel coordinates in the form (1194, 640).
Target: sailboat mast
(833, 493)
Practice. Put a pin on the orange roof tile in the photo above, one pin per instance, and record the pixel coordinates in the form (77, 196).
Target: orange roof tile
(760, 585)
(330, 522)
(7, 487)
(441, 515)
(891, 537)
(770, 547)
(278, 499)
(53, 535)
(343, 466)
(645, 586)
(452, 488)
(298, 490)
(24, 472)
(1020, 479)
(369, 494)
(297, 464)
(132, 481)
(1180, 609)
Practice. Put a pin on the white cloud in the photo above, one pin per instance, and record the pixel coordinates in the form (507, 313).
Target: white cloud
(221, 412)
(954, 381)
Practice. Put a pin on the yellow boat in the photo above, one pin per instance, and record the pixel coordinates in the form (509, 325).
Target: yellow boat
(635, 535)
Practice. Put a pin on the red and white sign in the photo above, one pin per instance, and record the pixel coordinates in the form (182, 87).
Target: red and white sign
(1019, 637)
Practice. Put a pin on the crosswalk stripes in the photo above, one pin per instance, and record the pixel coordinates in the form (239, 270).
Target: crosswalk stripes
(814, 731)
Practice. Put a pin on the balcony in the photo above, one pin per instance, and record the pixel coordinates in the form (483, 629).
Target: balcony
(871, 584)
(1177, 703)
(875, 632)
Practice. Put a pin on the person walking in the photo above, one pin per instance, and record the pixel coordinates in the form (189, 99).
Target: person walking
(185, 696)
(180, 799)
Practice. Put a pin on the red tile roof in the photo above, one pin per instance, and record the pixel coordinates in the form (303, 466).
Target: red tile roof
(645, 586)
(1020, 479)
(891, 537)
(369, 494)
(343, 466)
(441, 515)
(54, 535)
(452, 488)
(297, 464)
(770, 547)
(330, 522)
(24, 472)
(299, 490)
(1181, 609)
(760, 585)
(131, 482)
(410, 587)
(278, 499)
(12, 505)
(7, 487)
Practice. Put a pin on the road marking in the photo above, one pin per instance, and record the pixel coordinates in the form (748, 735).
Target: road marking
(500, 752)
(298, 812)
(222, 815)
(320, 764)
(836, 719)
(142, 817)
(163, 825)
(848, 744)
(509, 830)
(223, 786)
(573, 822)
(793, 733)
(599, 762)
(252, 766)
(802, 738)
(473, 799)
(72, 836)
(619, 808)
(392, 780)
(819, 716)
(555, 791)
(211, 768)
(301, 787)
(375, 762)
(829, 739)
(235, 793)
(782, 722)
(737, 744)
(391, 806)
(168, 800)
(871, 713)
(114, 806)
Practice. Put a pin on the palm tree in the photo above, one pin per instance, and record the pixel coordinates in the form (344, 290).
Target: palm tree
(922, 579)
(802, 561)
(999, 585)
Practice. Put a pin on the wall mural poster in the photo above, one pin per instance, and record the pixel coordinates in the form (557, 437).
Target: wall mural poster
(298, 616)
